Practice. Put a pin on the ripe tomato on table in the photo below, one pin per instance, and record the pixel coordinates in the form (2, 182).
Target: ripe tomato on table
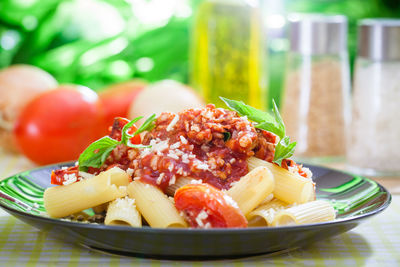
(59, 124)
(117, 99)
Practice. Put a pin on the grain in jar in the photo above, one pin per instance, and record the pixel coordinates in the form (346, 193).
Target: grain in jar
(374, 136)
(317, 84)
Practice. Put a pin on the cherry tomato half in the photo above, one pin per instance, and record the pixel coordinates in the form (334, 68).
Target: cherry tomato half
(206, 206)
(59, 124)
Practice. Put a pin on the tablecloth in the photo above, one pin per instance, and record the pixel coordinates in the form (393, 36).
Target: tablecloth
(376, 242)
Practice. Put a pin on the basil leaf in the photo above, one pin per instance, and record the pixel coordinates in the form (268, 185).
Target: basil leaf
(271, 127)
(124, 135)
(96, 153)
(284, 149)
(227, 136)
(248, 111)
(148, 125)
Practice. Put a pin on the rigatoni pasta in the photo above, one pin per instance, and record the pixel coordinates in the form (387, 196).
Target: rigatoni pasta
(311, 212)
(264, 214)
(200, 168)
(122, 211)
(289, 187)
(64, 200)
(252, 189)
(155, 206)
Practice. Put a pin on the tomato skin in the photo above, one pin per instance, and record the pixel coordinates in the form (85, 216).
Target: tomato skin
(117, 99)
(58, 176)
(59, 124)
(192, 199)
(116, 130)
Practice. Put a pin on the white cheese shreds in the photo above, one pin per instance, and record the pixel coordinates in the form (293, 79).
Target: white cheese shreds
(156, 146)
(185, 158)
(175, 145)
(173, 156)
(183, 140)
(172, 180)
(126, 201)
(200, 165)
(172, 123)
(194, 181)
(129, 171)
(195, 128)
(69, 178)
(160, 178)
(230, 201)
(200, 217)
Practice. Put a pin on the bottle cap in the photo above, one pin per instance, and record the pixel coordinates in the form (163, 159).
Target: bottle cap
(379, 39)
(316, 34)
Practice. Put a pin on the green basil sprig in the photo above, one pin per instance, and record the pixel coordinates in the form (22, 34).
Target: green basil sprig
(272, 123)
(97, 152)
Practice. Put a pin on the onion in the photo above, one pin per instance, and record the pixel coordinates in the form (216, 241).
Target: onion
(163, 96)
(18, 85)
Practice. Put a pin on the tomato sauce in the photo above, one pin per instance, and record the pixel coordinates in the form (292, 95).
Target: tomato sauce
(210, 144)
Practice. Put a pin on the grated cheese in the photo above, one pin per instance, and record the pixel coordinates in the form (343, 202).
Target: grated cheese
(183, 140)
(173, 122)
(129, 171)
(200, 217)
(85, 175)
(69, 178)
(160, 178)
(195, 181)
(172, 180)
(230, 201)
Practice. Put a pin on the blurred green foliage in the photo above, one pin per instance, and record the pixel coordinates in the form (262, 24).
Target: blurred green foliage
(98, 42)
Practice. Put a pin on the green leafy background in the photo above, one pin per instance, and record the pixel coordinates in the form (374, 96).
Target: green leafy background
(73, 39)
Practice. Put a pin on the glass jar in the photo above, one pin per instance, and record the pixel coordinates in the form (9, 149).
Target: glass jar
(228, 52)
(317, 84)
(374, 136)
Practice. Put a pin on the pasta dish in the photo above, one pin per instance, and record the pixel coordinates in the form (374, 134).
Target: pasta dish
(200, 168)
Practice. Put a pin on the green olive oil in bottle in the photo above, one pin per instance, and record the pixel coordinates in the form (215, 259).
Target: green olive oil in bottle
(228, 52)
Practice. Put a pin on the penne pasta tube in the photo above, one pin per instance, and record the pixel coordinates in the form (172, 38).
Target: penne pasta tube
(265, 213)
(252, 189)
(100, 208)
(155, 206)
(122, 211)
(289, 187)
(181, 181)
(311, 212)
(64, 200)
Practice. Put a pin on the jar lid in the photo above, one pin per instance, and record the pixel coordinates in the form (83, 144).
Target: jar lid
(379, 39)
(317, 34)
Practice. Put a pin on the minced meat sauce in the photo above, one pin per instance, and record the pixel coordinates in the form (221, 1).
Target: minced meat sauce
(211, 144)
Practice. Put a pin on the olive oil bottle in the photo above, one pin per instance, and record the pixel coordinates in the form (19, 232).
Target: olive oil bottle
(228, 52)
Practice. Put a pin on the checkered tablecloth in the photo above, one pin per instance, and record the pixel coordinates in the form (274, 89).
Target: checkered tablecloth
(376, 242)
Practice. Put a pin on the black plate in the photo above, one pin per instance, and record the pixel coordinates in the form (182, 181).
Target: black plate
(355, 199)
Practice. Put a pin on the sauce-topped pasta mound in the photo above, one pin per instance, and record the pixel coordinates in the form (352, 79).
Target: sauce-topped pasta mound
(223, 170)
(210, 144)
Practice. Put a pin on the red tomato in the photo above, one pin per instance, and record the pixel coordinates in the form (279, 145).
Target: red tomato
(58, 176)
(59, 124)
(204, 205)
(117, 99)
(116, 130)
